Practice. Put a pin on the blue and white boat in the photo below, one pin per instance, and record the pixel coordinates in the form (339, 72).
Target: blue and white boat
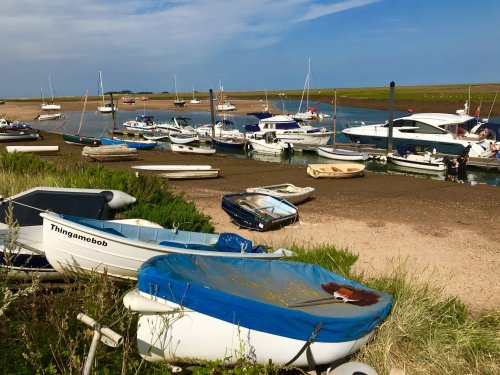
(137, 144)
(428, 131)
(290, 130)
(78, 246)
(259, 211)
(229, 142)
(213, 308)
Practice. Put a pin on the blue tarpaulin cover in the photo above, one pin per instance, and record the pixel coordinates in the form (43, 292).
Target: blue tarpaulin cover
(260, 295)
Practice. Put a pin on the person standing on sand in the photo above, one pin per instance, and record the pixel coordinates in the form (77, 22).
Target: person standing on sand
(462, 160)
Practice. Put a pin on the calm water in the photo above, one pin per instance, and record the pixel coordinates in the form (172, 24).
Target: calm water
(95, 124)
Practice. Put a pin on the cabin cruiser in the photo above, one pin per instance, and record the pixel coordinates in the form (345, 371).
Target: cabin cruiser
(178, 125)
(290, 130)
(440, 131)
(224, 128)
(141, 123)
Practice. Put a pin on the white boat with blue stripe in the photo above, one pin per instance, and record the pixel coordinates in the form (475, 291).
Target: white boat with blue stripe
(289, 313)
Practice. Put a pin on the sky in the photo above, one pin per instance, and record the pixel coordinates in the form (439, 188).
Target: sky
(248, 45)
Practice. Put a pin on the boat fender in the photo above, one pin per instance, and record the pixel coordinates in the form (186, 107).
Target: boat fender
(117, 199)
(351, 368)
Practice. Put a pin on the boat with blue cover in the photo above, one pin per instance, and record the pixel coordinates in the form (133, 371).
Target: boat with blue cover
(78, 246)
(213, 308)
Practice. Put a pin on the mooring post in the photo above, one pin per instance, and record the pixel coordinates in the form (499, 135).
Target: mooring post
(212, 113)
(391, 116)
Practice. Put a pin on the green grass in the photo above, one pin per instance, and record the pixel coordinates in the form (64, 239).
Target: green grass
(456, 92)
(425, 333)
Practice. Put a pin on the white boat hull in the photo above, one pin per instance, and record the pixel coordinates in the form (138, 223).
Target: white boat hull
(183, 149)
(289, 192)
(35, 149)
(166, 330)
(190, 175)
(424, 162)
(75, 250)
(342, 154)
(263, 147)
(166, 168)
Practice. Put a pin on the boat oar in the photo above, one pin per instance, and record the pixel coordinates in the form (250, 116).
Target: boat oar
(320, 301)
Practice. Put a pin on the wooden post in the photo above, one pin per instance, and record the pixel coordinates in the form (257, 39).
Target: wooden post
(391, 116)
(113, 111)
(334, 120)
(212, 114)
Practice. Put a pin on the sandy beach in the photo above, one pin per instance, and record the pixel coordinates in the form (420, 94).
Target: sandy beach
(446, 233)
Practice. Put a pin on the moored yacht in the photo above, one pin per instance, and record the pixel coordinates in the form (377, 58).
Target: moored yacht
(290, 130)
(428, 131)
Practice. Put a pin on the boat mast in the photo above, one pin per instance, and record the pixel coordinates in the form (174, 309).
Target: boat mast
(84, 106)
(492, 104)
(51, 93)
(102, 90)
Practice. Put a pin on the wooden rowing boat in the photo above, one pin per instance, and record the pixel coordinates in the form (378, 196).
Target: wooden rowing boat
(336, 170)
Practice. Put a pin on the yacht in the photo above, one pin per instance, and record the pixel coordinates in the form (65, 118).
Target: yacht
(290, 130)
(440, 131)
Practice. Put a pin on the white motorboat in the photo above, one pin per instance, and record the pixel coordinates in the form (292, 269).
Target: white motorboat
(185, 149)
(48, 116)
(280, 312)
(144, 123)
(224, 128)
(427, 131)
(293, 194)
(79, 246)
(267, 143)
(178, 124)
(289, 130)
(406, 156)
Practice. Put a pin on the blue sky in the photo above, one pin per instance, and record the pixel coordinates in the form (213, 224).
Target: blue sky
(248, 44)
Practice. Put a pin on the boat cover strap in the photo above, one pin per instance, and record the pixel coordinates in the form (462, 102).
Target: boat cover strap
(310, 358)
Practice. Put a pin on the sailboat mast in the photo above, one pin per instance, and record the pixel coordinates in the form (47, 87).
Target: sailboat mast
(51, 93)
(83, 112)
(100, 83)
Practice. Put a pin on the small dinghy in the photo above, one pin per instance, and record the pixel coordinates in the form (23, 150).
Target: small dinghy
(78, 246)
(137, 144)
(342, 154)
(229, 142)
(287, 313)
(293, 194)
(172, 167)
(347, 170)
(259, 211)
(182, 138)
(110, 153)
(190, 175)
(406, 156)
